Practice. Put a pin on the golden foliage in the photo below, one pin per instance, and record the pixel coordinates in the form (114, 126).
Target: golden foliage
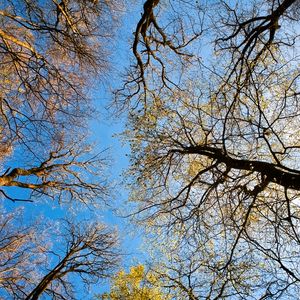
(135, 285)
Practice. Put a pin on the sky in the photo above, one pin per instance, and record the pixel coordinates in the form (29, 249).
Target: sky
(107, 131)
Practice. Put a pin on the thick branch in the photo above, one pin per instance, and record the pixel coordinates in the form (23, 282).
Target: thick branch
(279, 174)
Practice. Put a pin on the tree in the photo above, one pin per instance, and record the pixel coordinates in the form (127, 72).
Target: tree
(215, 144)
(51, 51)
(89, 252)
(20, 254)
(135, 285)
(37, 262)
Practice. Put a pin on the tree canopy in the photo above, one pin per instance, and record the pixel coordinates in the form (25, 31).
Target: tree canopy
(52, 53)
(212, 99)
(214, 133)
(51, 258)
(135, 285)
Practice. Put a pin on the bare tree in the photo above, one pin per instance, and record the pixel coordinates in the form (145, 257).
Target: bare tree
(68, 173)
(89, 251)
(20, 254)
(36, 260)
(52, 52)
(216, 145)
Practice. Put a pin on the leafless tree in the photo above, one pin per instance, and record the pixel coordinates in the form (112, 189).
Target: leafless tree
(37, 261)
(216, 145)
(51, 54)
(89, 251)
(20, 254)
(68, 173)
